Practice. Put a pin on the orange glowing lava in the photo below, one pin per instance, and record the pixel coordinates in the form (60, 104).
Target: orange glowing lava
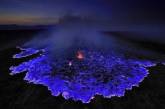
(80, 55)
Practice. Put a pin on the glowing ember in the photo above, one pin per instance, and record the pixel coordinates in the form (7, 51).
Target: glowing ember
(80, 55)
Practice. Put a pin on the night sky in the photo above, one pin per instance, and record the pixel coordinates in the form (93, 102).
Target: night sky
(44, 12)
(49, 11)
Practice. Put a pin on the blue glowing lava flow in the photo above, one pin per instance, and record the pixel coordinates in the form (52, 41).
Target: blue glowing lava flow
(82, 77)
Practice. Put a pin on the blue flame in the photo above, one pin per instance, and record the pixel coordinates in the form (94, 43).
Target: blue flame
(106, 74)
